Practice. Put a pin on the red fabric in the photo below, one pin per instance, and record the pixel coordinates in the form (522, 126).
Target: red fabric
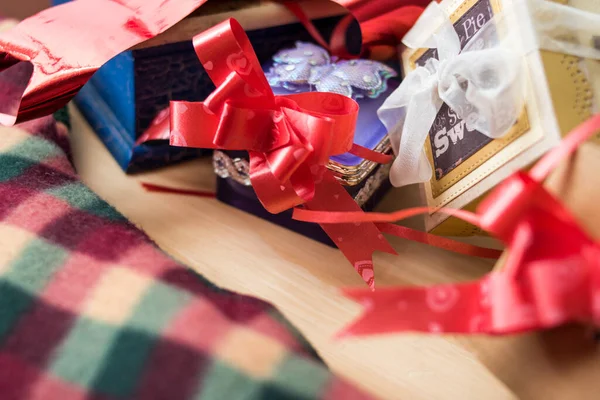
(381, 22)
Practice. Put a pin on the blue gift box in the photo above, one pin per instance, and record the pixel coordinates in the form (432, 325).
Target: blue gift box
(123, 98)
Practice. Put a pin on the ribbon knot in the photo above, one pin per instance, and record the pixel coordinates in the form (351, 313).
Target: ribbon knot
(481, 84)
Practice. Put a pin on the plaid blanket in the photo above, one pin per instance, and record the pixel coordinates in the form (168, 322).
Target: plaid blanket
(91, 309)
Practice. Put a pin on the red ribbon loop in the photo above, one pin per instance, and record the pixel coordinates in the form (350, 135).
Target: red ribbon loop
(507, 205)
(292, 135)
(289, 138)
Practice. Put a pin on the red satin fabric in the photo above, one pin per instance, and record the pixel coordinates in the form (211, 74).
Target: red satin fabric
(381, 22)
(47, 58)
(289, 138)
(551, 275)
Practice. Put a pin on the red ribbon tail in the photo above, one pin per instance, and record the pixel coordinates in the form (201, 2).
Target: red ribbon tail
(435, 309)
(160, 129)
(357, 241)
(438, 241)
(383, 223)
(371, 155)
(166, 189)
(376, 309)
(297, 10)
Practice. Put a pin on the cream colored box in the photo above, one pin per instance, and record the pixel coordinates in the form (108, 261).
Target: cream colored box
(560, 92)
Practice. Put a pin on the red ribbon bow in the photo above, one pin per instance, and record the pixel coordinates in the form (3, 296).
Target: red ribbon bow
(551, 275)
(289, 138)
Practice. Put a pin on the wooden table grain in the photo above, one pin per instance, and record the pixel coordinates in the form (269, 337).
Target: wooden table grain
(301, 278)
(22, 9)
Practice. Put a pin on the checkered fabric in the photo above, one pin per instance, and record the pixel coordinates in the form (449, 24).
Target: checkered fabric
(91, 309)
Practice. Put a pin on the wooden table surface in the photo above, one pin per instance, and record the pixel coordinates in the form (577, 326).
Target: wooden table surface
(23, 8)
(301, 278)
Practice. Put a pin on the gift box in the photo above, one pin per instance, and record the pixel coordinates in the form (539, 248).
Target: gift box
(550, 49)
(128, 93)
(304, 68)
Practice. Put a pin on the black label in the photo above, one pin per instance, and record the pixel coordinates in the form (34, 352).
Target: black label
(451, 142)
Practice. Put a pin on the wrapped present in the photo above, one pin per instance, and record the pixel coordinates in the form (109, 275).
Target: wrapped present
(306, 68)
(509, 78)
(127, 94)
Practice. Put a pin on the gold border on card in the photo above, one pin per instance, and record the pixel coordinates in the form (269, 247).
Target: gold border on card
(354, 175)
(438, 187)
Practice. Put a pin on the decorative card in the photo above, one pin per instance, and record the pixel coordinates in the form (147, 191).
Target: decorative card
(558, 94)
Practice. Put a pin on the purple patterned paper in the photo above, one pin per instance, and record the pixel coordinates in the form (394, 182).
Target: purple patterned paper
(308, 67)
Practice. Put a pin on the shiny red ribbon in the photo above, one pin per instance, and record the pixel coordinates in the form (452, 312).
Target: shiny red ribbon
(289, 138)
(551, 276)
(382, 23)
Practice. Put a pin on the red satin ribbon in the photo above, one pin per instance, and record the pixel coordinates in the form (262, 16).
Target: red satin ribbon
(289, 138)
(382, 23)
(551, 275)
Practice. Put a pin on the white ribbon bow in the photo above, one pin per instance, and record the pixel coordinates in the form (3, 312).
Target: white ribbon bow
(482, 83)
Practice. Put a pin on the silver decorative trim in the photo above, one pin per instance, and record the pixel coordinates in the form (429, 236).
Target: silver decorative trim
(238, 169)
(373, 183)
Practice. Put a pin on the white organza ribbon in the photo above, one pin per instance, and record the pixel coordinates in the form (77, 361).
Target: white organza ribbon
(483, 83)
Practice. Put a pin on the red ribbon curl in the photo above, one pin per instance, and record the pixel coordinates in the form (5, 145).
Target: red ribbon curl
(551, 275)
